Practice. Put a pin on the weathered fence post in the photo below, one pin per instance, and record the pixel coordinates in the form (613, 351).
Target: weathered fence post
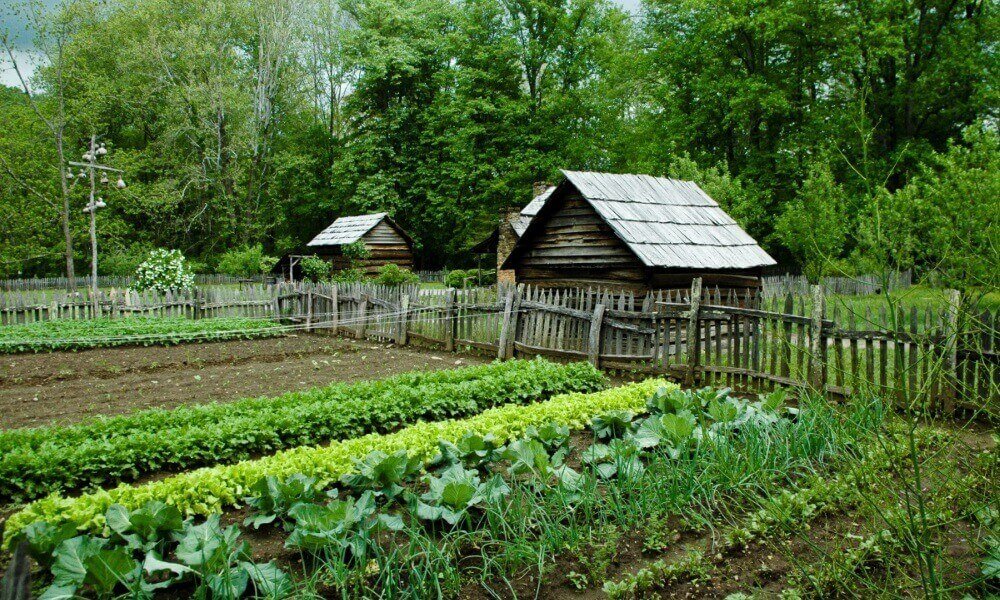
(949, 390)
(508, 330)
(449, 317)
(693, 341)
(594, 341)
(309, 309)
(334, 307)
(817, 344)
(196, 300)
(403, 318)
(362, 313)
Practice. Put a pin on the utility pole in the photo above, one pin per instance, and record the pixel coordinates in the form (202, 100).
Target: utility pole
(92, 166)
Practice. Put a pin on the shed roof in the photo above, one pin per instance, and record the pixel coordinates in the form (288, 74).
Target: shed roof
(347, 230)
(665, 222)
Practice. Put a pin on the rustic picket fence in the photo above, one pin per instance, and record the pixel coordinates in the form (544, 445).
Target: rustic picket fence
(111, 281)
(861, 285)
(939, 358)
(49, 305)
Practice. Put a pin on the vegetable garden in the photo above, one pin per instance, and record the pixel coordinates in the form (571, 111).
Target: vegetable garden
(514, 479)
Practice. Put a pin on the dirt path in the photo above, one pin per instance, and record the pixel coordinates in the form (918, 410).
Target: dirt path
(64, 387)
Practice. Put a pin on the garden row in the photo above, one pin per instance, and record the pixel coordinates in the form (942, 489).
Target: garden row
(405, 506)
(35, 462)
(521, 497)
(67, 334)
(211, 489)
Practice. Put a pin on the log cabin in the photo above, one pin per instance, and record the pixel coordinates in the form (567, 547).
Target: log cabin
(386, 242)
(631, 232)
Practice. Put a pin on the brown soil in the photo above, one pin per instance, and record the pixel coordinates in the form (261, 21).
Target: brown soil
(65, 387)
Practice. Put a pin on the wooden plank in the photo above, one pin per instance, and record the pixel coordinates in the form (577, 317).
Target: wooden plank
(950, 391)
(693, 335)
(594, 340)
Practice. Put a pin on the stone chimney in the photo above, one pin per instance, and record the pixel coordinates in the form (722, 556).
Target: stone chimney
(507, 237)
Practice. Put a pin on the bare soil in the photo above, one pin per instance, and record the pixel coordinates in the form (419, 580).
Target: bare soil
(66, 387)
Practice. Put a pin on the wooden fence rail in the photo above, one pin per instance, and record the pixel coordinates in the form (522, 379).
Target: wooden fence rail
(938, 358)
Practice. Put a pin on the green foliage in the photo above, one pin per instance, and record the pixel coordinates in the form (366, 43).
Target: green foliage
(393, 274)
(45, 336)
(459, 278)
(383, 474)
(163, 271)
(347, 527)
(612, 425)
(456, 279)
(315, 268)
(693, 567)
(207, 490)
(125, 262)
(35, 462)
(472, 450)
(814, 225)
(442, 113)
(355, 252)
(455, 492)
(144, 528)
(546, 508)
(248, 261)
(944, 219)
(617, 458)
(273, 498)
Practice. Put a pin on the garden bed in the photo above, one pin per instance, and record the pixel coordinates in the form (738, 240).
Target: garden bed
(639, 491)
(101, 452)
(65, 387)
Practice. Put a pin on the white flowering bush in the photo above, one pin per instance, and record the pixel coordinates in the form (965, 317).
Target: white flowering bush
(163, 270)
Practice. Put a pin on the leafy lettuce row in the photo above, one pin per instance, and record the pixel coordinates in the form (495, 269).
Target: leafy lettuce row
(209, 490)
(35, 462)
(102, 333)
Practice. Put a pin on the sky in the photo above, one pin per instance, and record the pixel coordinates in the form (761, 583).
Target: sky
(15, 25)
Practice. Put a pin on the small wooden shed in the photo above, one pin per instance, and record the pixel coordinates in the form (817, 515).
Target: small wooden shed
(633, 232)
(386, 242)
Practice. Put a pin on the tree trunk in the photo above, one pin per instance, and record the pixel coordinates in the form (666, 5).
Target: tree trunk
(67, 232)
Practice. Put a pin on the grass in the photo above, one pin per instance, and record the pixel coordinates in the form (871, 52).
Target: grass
(920, 297)
(67, 334)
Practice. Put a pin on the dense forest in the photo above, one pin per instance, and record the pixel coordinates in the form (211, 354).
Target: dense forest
(845, 135)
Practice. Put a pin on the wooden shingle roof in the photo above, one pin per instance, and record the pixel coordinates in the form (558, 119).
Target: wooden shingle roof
(529, 211)
(347, 230)
(666, 222)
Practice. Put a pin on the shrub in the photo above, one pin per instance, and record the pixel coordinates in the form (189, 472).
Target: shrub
(315, 268)
(483, 277)
(163, 270)
(34, 462)
(393, 274)
(209, 490)
(246, 262)
(348, 276)
(455, 278)
(124, 262)
(356, 252)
